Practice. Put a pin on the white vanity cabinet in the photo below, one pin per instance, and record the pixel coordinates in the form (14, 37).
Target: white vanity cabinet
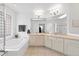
(48, 41)
(71, 47)
(67, 45)
(36, 40)
(59, 44)
(55, 43)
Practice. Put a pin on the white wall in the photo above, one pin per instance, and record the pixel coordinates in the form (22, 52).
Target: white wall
(23, 19)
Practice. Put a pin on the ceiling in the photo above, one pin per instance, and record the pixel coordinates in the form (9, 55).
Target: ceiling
(29, 7)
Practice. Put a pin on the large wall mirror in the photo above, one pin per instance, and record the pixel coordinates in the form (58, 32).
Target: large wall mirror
(41, 28)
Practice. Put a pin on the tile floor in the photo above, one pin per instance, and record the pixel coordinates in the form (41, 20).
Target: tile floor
(41, 51)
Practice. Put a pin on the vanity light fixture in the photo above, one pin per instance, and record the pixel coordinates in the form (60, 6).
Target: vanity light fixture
(63, 16)
(55, 10)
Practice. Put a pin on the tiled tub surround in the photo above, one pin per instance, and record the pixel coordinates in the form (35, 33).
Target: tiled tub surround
(65, 44)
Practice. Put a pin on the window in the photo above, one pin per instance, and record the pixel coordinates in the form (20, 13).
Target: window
(22, 28)
(8, 25)
(1, 24)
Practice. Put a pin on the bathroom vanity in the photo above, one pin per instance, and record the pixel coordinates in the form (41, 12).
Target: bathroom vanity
(65, 44)
(54, 37)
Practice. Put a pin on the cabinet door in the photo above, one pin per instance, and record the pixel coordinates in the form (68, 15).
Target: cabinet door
(32, 40)
(36, 40)
(57, 44)
(53, 43)
(48, 42)
(40, 40)
(71, 47)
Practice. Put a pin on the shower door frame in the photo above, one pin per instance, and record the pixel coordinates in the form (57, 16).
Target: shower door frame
(4, 38)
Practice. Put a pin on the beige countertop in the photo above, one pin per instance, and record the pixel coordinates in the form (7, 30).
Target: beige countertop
(38, 34)
(58, 35)
(65, 36)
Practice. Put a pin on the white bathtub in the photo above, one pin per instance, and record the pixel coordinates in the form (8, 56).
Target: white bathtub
(16, 47)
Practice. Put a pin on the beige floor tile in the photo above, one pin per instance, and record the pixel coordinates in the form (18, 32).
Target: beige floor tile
(41, 51)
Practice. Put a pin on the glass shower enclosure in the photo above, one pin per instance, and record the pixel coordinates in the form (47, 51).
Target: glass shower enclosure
(2, 29)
